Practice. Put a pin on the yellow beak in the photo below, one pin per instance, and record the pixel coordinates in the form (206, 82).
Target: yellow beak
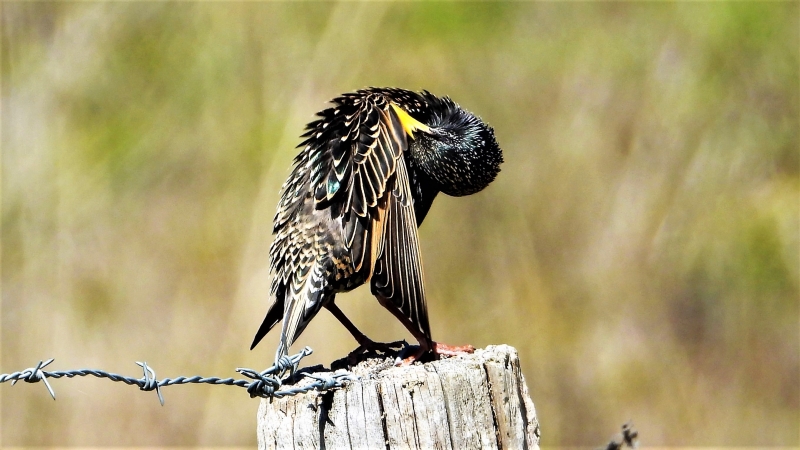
(410, 124)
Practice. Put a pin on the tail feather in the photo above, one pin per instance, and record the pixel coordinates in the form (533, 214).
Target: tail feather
(274, 315)
(295, 304)
(306, 295)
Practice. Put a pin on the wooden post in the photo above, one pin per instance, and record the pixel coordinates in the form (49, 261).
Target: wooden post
(478, 401)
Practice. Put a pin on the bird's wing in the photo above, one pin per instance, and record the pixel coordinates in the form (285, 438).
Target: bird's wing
(351, 153)
(397, 276)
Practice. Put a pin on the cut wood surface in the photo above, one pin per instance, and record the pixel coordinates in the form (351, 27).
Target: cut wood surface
(478, 401)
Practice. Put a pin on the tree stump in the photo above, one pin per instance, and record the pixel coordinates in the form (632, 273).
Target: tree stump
(477, 401)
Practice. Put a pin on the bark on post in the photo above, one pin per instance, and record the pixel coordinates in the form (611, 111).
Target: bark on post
(477, 401)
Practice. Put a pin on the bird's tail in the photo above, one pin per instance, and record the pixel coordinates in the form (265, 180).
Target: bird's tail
(274, 315)
(303, 298)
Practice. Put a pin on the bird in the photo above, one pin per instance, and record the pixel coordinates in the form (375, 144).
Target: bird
(369, 169)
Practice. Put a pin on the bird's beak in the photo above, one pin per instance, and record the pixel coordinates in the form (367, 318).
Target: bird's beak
(410, 124)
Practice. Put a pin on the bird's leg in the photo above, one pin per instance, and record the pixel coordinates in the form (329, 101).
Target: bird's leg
(426, 344)
(364, 343)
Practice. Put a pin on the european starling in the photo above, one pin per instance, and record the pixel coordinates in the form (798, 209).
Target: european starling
(368, 172)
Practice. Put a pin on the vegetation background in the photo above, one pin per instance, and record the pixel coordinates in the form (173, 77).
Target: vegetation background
(639, 248)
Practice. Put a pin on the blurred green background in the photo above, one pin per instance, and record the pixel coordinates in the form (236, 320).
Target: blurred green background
(639, 248)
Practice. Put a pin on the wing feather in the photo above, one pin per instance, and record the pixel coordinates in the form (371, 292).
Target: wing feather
(398, 275)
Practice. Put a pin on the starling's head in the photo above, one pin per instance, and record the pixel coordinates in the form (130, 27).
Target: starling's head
(457, 150)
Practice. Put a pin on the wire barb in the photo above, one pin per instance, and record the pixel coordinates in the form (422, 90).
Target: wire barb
(331, 382)
(627, 439)
(35, 374)
(149, 382)
(264, 385)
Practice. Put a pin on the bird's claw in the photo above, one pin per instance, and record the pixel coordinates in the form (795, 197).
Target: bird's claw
(368, 346)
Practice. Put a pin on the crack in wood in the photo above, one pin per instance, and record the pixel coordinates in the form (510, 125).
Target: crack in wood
(492, 401)
(383, 415)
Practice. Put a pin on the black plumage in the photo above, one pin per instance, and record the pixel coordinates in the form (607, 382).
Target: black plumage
(368, 172)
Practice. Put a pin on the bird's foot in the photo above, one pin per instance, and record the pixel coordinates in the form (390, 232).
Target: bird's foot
(367, 346)
(439, 349)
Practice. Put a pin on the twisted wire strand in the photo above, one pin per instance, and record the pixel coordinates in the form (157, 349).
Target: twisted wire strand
(266, 383)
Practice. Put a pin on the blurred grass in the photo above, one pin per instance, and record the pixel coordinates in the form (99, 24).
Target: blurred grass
(640, 247)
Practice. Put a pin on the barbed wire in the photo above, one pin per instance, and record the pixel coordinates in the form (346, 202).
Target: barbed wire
(628, 438)
(265, 384)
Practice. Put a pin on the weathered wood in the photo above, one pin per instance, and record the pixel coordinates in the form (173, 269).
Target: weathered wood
(477, 401)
